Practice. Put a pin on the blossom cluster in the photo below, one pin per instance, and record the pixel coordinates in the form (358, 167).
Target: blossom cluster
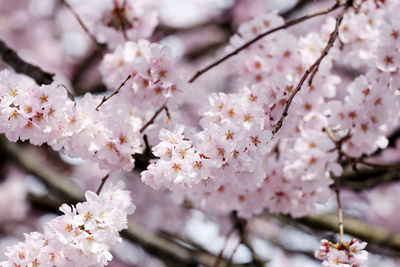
(342, 254)
(367, 112)
(230, 166)
(179, 164)
(154, 79)
(115, 21)
(246, 170)
(82, 236)
(46, 115)
(228, 151)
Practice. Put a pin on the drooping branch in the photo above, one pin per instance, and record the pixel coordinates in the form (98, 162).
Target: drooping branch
(259, 37)
(10, 57)
(314, 67)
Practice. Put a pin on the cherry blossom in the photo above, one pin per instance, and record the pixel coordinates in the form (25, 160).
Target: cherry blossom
(82, 236)
(154, 79)
(343, 254)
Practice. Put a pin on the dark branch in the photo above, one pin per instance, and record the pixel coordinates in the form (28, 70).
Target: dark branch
(81, 71)
(10, 57)
(365, 179)
(103, 181)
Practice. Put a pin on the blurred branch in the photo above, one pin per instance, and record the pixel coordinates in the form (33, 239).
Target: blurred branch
(355, 227)
(205, 50)
(82, 70)
(172, 253)
(29, 161)
(222, 21)
(298, 6)
(368, 178)
(10, 57)
(99, 46)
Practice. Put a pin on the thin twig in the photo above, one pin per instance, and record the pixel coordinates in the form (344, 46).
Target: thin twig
(114, 93)
(10, 57)
(340, 210)
(313, 67)
(84, 27)
(258, 37)
(103, 181)
(151, 121)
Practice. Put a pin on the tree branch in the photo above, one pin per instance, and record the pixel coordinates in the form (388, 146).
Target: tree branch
(368, 178)
(314, 67)
(258, 37)
(10, 57)
(100, 47)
